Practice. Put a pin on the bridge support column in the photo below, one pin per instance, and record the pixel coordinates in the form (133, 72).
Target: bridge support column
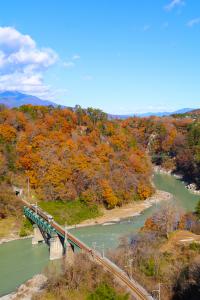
(69, 253)
(55, 248)
(37, 236)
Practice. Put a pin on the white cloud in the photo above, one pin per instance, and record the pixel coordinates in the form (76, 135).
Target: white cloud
(76, 57)
(173, 4)
(22, 63)
(28, 83)
(191, 23)
(12, 40)
(68, 64)
(71, 63)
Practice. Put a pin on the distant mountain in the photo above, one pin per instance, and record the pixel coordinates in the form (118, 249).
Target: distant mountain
(165, 113)
(194, 112)
(183, 110)
(148, 114)
(16, 99)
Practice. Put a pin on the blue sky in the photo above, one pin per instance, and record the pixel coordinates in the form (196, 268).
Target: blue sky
(123, 56)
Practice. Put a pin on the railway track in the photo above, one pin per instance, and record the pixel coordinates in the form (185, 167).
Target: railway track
(137, 291)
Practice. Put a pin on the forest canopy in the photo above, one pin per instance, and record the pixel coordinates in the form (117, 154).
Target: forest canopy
(73, 154)
(82, 154)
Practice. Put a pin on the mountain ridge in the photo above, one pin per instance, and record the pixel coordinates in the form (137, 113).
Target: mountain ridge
(15, 99)
(149, 114)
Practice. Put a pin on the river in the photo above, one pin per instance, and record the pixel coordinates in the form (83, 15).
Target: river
(19, 260)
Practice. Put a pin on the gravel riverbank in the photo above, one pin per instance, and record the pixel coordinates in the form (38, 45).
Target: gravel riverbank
(27, 289)
(126, 211)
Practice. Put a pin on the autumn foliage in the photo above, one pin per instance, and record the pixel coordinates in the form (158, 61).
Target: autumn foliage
(73, 154)
(172, 142)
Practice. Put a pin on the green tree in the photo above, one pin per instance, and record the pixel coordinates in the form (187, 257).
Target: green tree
(197, 210)
(105, 292)
(96, 115)
(80, 113)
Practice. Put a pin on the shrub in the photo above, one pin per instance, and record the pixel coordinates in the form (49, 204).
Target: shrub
(194, 246)
(105, 292)
(26, 228)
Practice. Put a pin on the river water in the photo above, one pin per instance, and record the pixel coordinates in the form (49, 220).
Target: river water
(19, 260)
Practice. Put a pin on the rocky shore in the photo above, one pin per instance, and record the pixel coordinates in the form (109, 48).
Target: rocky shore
(28, 289)
(192, 187)
(10, 239)
(159, 169)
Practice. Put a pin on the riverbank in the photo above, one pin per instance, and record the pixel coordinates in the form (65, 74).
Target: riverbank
(16, 256)
(15, 238)
(190, 186)
(9, 228)
(126, 211)
(27, 289)
(110, 216)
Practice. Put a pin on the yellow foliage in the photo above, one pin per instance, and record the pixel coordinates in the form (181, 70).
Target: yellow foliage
(108, 194)
(7, 132)
(144, 190)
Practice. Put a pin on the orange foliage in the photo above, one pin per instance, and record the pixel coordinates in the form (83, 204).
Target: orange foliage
(7, 132)
(144, 190)
(108, 195)
(68, 155)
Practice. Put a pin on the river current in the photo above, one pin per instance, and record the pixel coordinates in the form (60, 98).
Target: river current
(19, 260)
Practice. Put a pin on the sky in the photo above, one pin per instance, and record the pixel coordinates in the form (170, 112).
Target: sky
(122, 56)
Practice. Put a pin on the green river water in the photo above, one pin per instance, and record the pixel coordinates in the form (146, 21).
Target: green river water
(19, 260)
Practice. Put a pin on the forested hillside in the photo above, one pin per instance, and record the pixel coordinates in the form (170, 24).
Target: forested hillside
(80, 155)
(69, 155)
(172, 142)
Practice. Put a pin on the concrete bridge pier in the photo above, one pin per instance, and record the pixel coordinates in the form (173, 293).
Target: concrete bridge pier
(69, 253)
(55, 248)
(37, 235)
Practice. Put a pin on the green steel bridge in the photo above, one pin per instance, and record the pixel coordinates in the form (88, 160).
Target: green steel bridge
(61, 242)
(50, 229)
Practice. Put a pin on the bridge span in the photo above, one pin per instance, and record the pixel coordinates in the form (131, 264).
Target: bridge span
(61, 242)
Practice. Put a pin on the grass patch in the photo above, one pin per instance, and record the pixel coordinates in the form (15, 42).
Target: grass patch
(26, 228)
(6, 226)
(194, 246)
(9, 227)
(72, 212)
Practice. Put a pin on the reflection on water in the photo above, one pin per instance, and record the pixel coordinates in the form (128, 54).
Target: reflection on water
(19, 261)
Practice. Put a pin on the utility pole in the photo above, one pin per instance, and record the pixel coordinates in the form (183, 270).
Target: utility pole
(65, 231)
(101, 247)
(103, 250)
(130, 268)
(158, 291)
(65, 240)
(159, 295)
(94, 244)
(28, 188)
